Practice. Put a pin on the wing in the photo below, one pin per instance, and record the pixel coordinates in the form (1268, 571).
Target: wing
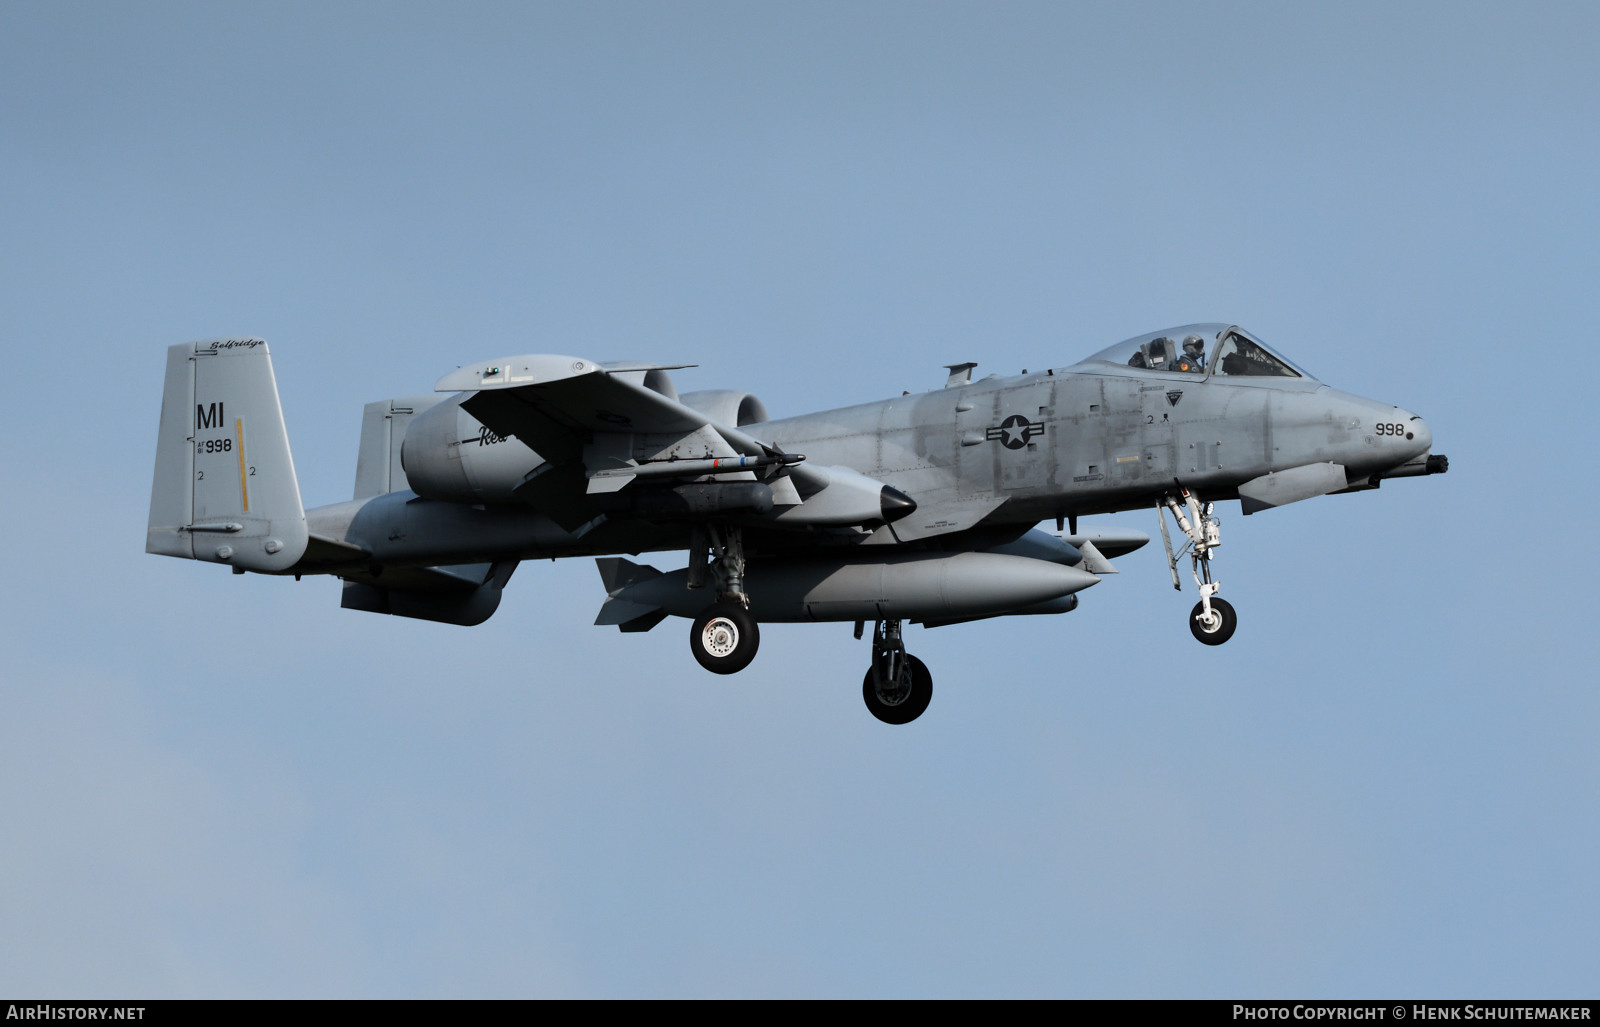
(621, 423)
(605, 416)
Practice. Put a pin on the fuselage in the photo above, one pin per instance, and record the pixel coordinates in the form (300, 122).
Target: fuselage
(1115, 432)
(1087, 440)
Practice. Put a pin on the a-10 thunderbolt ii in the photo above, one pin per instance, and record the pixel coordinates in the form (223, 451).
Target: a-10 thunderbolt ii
(918, 508)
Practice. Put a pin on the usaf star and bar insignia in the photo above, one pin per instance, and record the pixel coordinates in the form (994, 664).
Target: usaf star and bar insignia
(1015, 431)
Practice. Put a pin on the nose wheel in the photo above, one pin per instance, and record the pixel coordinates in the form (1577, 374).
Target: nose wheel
(1214, 626)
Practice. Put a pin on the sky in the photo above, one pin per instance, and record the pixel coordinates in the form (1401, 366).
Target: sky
(1386, 784)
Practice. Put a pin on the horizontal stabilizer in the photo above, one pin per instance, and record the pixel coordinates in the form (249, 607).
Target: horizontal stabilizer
(326, 554)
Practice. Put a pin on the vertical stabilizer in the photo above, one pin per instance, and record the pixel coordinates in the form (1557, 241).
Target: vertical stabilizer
(225, 488)
(383, 429)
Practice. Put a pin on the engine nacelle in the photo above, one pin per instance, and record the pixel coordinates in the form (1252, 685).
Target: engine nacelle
(449, 454)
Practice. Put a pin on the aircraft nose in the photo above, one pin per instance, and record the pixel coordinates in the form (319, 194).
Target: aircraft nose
(1417, 430)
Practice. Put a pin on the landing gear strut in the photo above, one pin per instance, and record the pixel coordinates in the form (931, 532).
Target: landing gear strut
(724, 637)
(1212, 620)
(897, 687)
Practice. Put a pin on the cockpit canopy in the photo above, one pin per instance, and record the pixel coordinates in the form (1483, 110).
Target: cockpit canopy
(1199, 349)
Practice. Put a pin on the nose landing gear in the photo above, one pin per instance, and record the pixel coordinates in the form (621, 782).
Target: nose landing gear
(1214, 626)
(1212, 620)
(898, 687)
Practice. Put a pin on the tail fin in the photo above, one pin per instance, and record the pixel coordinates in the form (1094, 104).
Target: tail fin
(383, 429)
(225, 488)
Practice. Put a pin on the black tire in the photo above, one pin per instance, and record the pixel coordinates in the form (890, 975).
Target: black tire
(1218, 633)
(724, 638)
(912, 706)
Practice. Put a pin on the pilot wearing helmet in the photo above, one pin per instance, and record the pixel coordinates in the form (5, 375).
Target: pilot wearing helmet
(1193, 359)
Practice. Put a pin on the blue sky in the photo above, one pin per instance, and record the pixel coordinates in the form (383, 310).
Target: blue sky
(1386, 784)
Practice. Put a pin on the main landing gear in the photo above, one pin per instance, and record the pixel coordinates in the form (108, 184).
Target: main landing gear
(724, 638)
(1212, 620)
(897, 687)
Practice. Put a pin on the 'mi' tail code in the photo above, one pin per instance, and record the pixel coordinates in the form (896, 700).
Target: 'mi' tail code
(222, 493)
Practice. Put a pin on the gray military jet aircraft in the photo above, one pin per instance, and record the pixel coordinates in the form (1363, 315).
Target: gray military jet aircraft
(918, 508)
